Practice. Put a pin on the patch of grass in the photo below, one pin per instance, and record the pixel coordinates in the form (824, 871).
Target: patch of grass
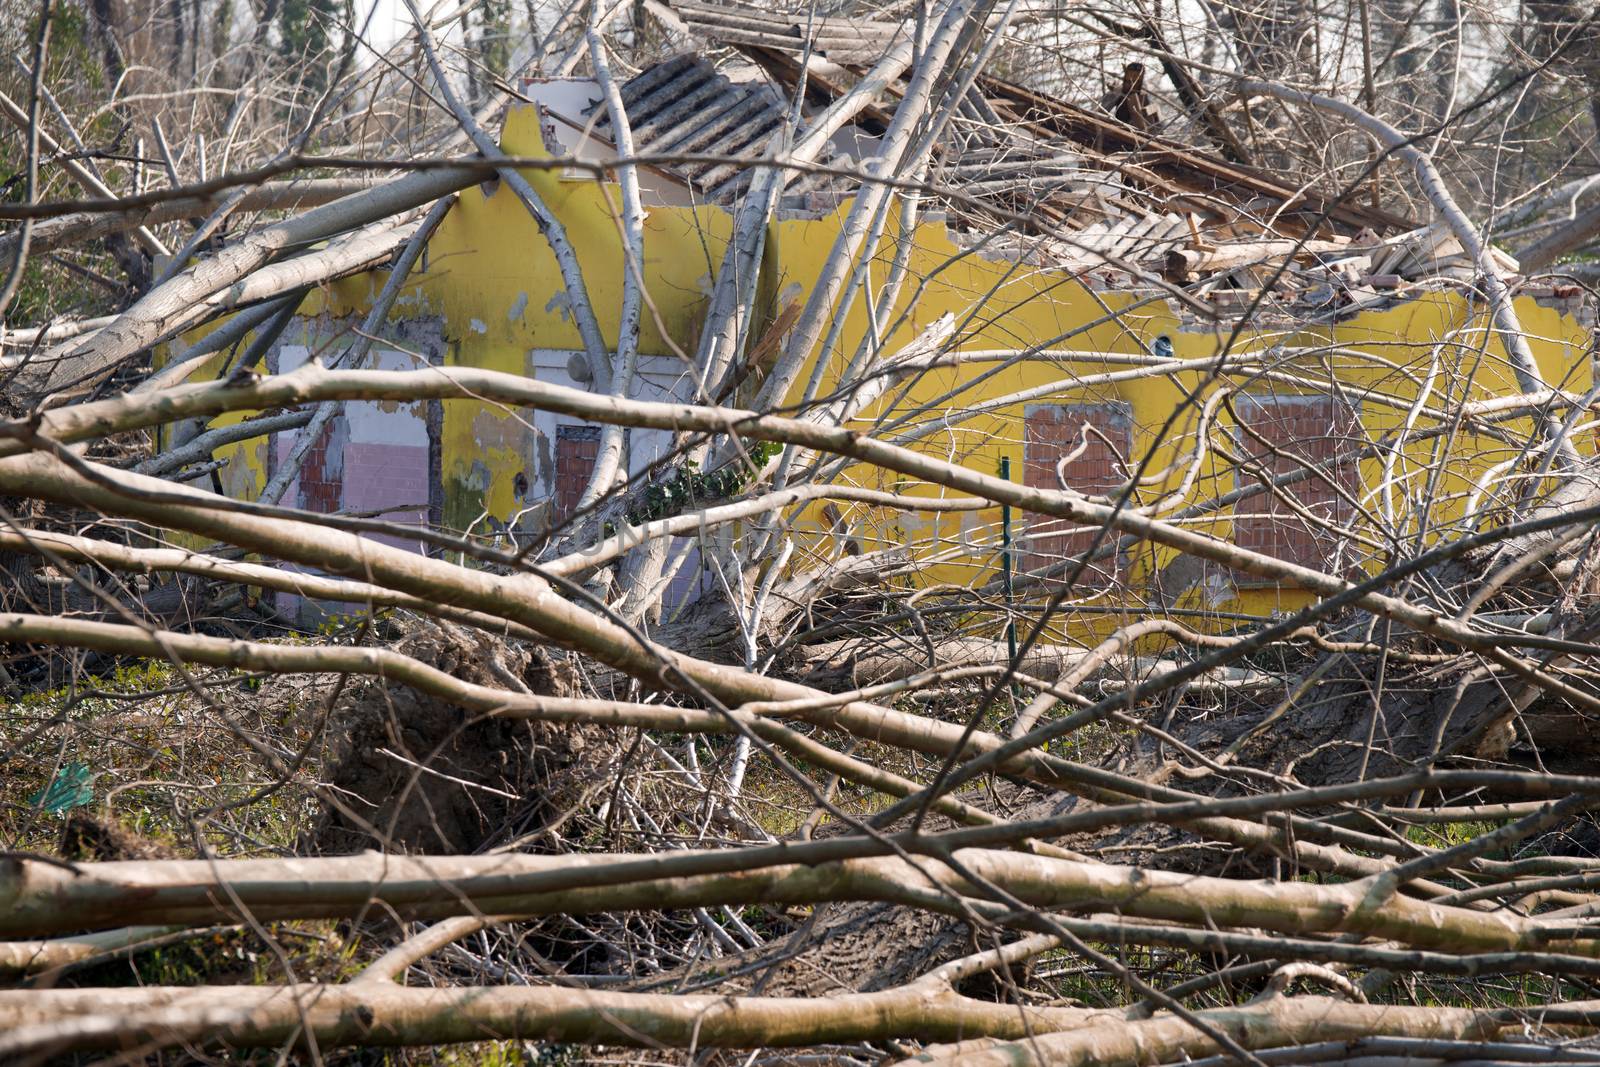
(159, 754)
(1448, 835)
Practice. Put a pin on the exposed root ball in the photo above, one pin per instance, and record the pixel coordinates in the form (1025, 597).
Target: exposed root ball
(417, 774)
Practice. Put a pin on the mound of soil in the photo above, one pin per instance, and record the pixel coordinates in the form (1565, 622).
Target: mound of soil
(412, 773)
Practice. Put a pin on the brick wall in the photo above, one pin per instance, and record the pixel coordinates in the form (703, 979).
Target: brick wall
(1098, 466)
(371, 458)
(1290, 432)
(577, 448)
(319, 486)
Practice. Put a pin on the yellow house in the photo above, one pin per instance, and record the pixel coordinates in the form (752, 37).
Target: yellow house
(1056, 367)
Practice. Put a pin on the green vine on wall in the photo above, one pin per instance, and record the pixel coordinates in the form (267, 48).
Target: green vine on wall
(690, 486)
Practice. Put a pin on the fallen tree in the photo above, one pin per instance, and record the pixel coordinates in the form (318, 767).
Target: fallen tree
(1086, 761)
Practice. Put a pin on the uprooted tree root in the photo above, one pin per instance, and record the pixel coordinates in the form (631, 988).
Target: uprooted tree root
(415, 773)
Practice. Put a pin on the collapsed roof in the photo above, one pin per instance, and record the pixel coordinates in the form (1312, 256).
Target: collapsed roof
(1096, 189)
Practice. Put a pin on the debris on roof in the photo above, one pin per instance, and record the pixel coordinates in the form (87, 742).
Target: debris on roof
(684, 106)
(847, 42)
(1098, 189)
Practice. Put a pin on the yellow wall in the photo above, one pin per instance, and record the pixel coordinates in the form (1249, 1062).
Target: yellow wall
(491, 276)
(999, 305)
(500, 291)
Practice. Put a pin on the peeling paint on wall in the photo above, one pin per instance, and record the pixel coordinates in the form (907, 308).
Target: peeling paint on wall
(560, 303)
(487, 264)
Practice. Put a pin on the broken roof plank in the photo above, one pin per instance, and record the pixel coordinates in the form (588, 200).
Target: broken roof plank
(1178, 161)
(844, 41)
(766, 36)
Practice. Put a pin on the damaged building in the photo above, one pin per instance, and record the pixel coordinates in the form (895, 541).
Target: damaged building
(1060, 257)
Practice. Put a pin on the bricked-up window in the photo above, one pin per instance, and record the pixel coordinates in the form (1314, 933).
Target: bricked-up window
(576, 450)
(1098, 438)
(321, 477)
(1288, 433)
